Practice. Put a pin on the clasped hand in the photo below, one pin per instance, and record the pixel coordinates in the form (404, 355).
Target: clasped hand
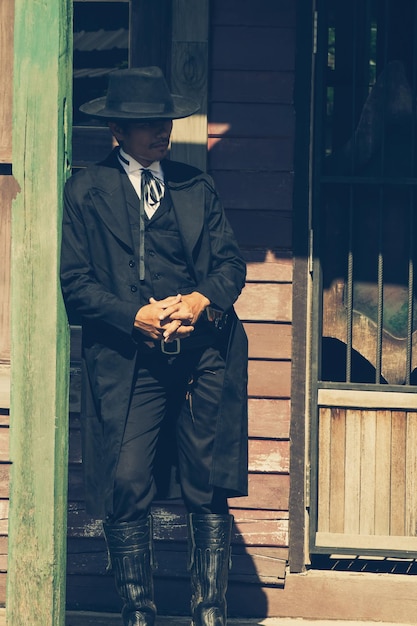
(171, 318)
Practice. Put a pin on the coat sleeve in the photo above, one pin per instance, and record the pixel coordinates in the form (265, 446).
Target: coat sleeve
(226, 278)
(82, 292)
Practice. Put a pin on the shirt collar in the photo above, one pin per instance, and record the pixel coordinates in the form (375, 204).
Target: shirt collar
(131, 165)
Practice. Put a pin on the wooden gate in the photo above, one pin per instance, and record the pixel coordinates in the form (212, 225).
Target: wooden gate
(367, 497)
(364, 357)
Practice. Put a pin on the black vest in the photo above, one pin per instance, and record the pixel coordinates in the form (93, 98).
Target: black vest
(166, 271)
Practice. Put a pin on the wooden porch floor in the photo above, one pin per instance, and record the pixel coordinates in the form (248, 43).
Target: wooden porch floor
(80, 618)
(101, 619)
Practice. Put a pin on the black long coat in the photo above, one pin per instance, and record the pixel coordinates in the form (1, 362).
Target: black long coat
(100, 280)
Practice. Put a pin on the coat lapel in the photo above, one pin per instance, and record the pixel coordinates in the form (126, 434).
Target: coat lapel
(188, 200)
(108, 196)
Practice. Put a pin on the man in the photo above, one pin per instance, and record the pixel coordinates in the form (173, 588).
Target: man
(151, 265)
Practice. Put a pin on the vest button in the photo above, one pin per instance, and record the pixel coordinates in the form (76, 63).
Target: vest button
(133, 288)
(151, 253)
(157, 276)
(132, 263)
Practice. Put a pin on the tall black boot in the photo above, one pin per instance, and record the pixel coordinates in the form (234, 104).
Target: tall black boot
(131, 555)
(209, 538)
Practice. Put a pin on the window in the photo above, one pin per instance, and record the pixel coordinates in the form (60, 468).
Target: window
(366, 192)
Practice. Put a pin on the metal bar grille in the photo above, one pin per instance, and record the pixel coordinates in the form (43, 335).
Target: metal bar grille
(366, 180)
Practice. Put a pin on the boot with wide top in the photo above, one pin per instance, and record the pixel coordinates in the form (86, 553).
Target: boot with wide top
(131, 556)
(209, 539)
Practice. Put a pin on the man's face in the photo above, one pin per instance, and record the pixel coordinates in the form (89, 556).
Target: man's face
(144, 141)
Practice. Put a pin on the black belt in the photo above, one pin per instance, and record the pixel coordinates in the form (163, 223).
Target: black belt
(177, 346)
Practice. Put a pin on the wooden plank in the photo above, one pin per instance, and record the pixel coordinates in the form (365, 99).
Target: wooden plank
(337, 469)
(274, 48)
(266, 491)
(39, 401)
(383, 462)
(353, 472)
(411, 475)
(267, 191)
(264, 229)
(4, 517)
(4, 481)
(4, 444)
(269, 418)
(4, 386)
(266, 266)
(267, 302)
(6, 73)
(323, 470)
(367, 399)
(260, 86)
(251, 153)
(398, 464)
(269, 379)
(269, 456)
(189, 78)
(367, 543)
(3, 545)
(368, 490)
(251, 120)
(8, 191)
(269, 341)
(260, 515)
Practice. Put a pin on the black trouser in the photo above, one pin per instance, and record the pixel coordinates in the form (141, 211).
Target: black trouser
(186, 390)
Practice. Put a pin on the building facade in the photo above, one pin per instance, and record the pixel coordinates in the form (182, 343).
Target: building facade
(308, 126)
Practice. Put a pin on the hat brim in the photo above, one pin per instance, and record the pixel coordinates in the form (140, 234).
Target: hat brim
(181, 107)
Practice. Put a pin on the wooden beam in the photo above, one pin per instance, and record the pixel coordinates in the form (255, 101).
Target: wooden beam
(189, 77)
(39, 330)
(367, 399)
(6, 73)
(367, 544)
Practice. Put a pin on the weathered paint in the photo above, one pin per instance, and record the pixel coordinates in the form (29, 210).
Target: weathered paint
(6, 73)
(39, 393)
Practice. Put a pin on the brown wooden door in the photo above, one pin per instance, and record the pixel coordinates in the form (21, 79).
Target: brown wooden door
(364, 358)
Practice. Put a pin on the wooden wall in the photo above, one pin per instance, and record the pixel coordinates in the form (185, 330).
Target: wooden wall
(251, 136)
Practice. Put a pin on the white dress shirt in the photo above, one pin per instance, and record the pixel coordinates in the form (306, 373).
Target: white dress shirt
(134, 171)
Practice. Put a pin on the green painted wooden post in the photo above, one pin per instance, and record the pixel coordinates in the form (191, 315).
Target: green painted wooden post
(39, 387)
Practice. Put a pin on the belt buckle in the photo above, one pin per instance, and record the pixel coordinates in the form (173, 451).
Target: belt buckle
(176, 344)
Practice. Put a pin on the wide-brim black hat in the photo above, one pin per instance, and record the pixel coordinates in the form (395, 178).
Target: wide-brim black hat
(139, 93)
